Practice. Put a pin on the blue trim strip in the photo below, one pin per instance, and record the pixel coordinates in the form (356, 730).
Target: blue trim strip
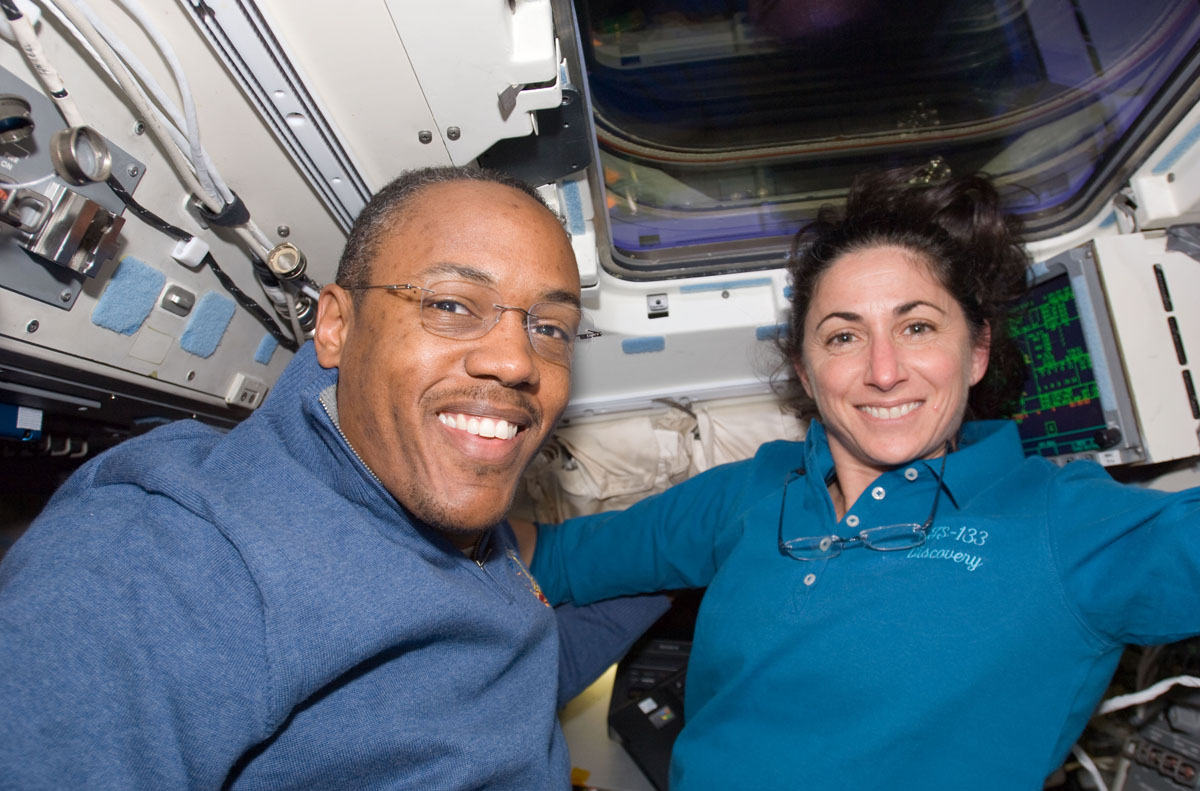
(770, 332)
(748, 283)
(1177, 151)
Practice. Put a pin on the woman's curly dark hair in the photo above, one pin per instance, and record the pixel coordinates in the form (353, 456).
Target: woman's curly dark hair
(959, 228)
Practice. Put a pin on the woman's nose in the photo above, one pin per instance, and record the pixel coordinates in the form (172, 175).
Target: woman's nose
(885, 367)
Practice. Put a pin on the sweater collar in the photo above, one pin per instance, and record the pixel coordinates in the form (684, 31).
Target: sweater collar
(307, 386)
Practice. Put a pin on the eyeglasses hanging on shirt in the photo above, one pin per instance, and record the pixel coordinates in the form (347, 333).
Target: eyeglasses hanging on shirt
(887, 538)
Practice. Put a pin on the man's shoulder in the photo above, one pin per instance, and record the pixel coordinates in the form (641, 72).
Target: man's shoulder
(167, 459)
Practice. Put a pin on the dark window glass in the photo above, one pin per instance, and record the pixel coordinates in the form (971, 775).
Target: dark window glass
(725, 122)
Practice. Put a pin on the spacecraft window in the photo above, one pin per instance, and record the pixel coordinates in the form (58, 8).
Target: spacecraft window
(724, 124)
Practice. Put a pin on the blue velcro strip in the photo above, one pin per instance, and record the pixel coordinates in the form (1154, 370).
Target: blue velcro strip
(770, 332)
(573, 204)
(209, 320)
(643, 345)
(728, 284)
(266, 348)
(129, 296)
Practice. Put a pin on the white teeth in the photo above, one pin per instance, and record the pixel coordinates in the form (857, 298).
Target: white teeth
(890, 413)
(479, 426)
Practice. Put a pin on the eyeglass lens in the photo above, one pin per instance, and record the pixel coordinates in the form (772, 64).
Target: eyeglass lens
(458, 309)
(888, 538)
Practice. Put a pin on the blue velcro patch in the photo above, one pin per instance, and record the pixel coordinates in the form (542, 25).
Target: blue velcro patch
(129, 297)
(208, 323)
(266, 348)
(642, 345)
(573, 204)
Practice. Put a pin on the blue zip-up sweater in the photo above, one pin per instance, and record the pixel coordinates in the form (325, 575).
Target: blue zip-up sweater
(253, 610)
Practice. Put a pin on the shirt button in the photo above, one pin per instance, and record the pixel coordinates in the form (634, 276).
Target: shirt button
(911, 474)
(810, 578)
(878, 493)
(852, 521)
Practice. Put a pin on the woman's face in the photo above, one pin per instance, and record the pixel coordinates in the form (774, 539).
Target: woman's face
(888, 357)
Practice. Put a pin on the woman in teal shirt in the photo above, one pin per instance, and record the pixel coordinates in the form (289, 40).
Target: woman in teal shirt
(903, 600)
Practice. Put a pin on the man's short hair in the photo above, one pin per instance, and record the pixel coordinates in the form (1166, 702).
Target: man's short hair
(389, 206)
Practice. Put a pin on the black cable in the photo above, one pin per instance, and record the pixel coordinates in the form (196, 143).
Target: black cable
(147, 216)
(10, 9)
(252, 307)
(243, 299)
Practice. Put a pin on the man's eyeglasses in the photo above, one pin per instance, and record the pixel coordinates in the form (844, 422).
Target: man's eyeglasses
(463, 310)
(889, 538)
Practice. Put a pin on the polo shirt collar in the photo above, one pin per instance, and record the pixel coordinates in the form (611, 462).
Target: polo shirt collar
(984, 447)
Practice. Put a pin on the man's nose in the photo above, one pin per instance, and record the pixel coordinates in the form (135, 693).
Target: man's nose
(504, 352)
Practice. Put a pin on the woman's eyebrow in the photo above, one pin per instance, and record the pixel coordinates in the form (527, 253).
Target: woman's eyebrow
(839, 314)
(909, 307)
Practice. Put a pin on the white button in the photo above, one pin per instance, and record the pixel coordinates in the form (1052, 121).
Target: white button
(911, 473)
(852, 520)
(878, 493)
(810, 578)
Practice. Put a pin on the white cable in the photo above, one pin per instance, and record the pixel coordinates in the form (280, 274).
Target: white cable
(297, 332)
(257, 242)
(156, 127)
(256, 234)
(170, 116)
(311, 291)
(1088, 764)
(173, 123)
(1150, 693)
(185, 93)
(31, 48)
(12, 185)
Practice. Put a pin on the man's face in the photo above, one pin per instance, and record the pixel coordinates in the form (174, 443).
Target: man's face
(411, 403)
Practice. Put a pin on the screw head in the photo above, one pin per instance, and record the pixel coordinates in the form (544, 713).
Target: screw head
(425, 136)
(65, 295)
(32, 326)
(133, 171)
(139, 128)
(283, 231)
(453, 132)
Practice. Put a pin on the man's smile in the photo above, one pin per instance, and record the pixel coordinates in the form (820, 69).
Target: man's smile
(479, 426)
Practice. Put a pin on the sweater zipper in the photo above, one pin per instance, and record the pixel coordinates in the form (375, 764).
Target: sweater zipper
(482, 551)
(480, 555)
(346, 439)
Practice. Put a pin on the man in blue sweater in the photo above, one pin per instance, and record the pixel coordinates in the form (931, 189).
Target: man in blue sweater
(328, 596)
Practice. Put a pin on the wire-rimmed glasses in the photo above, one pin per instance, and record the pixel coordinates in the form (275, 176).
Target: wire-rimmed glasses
(465, 311)
(888, 538)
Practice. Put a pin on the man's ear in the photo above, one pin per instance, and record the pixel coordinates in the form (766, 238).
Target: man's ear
(335, 314)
